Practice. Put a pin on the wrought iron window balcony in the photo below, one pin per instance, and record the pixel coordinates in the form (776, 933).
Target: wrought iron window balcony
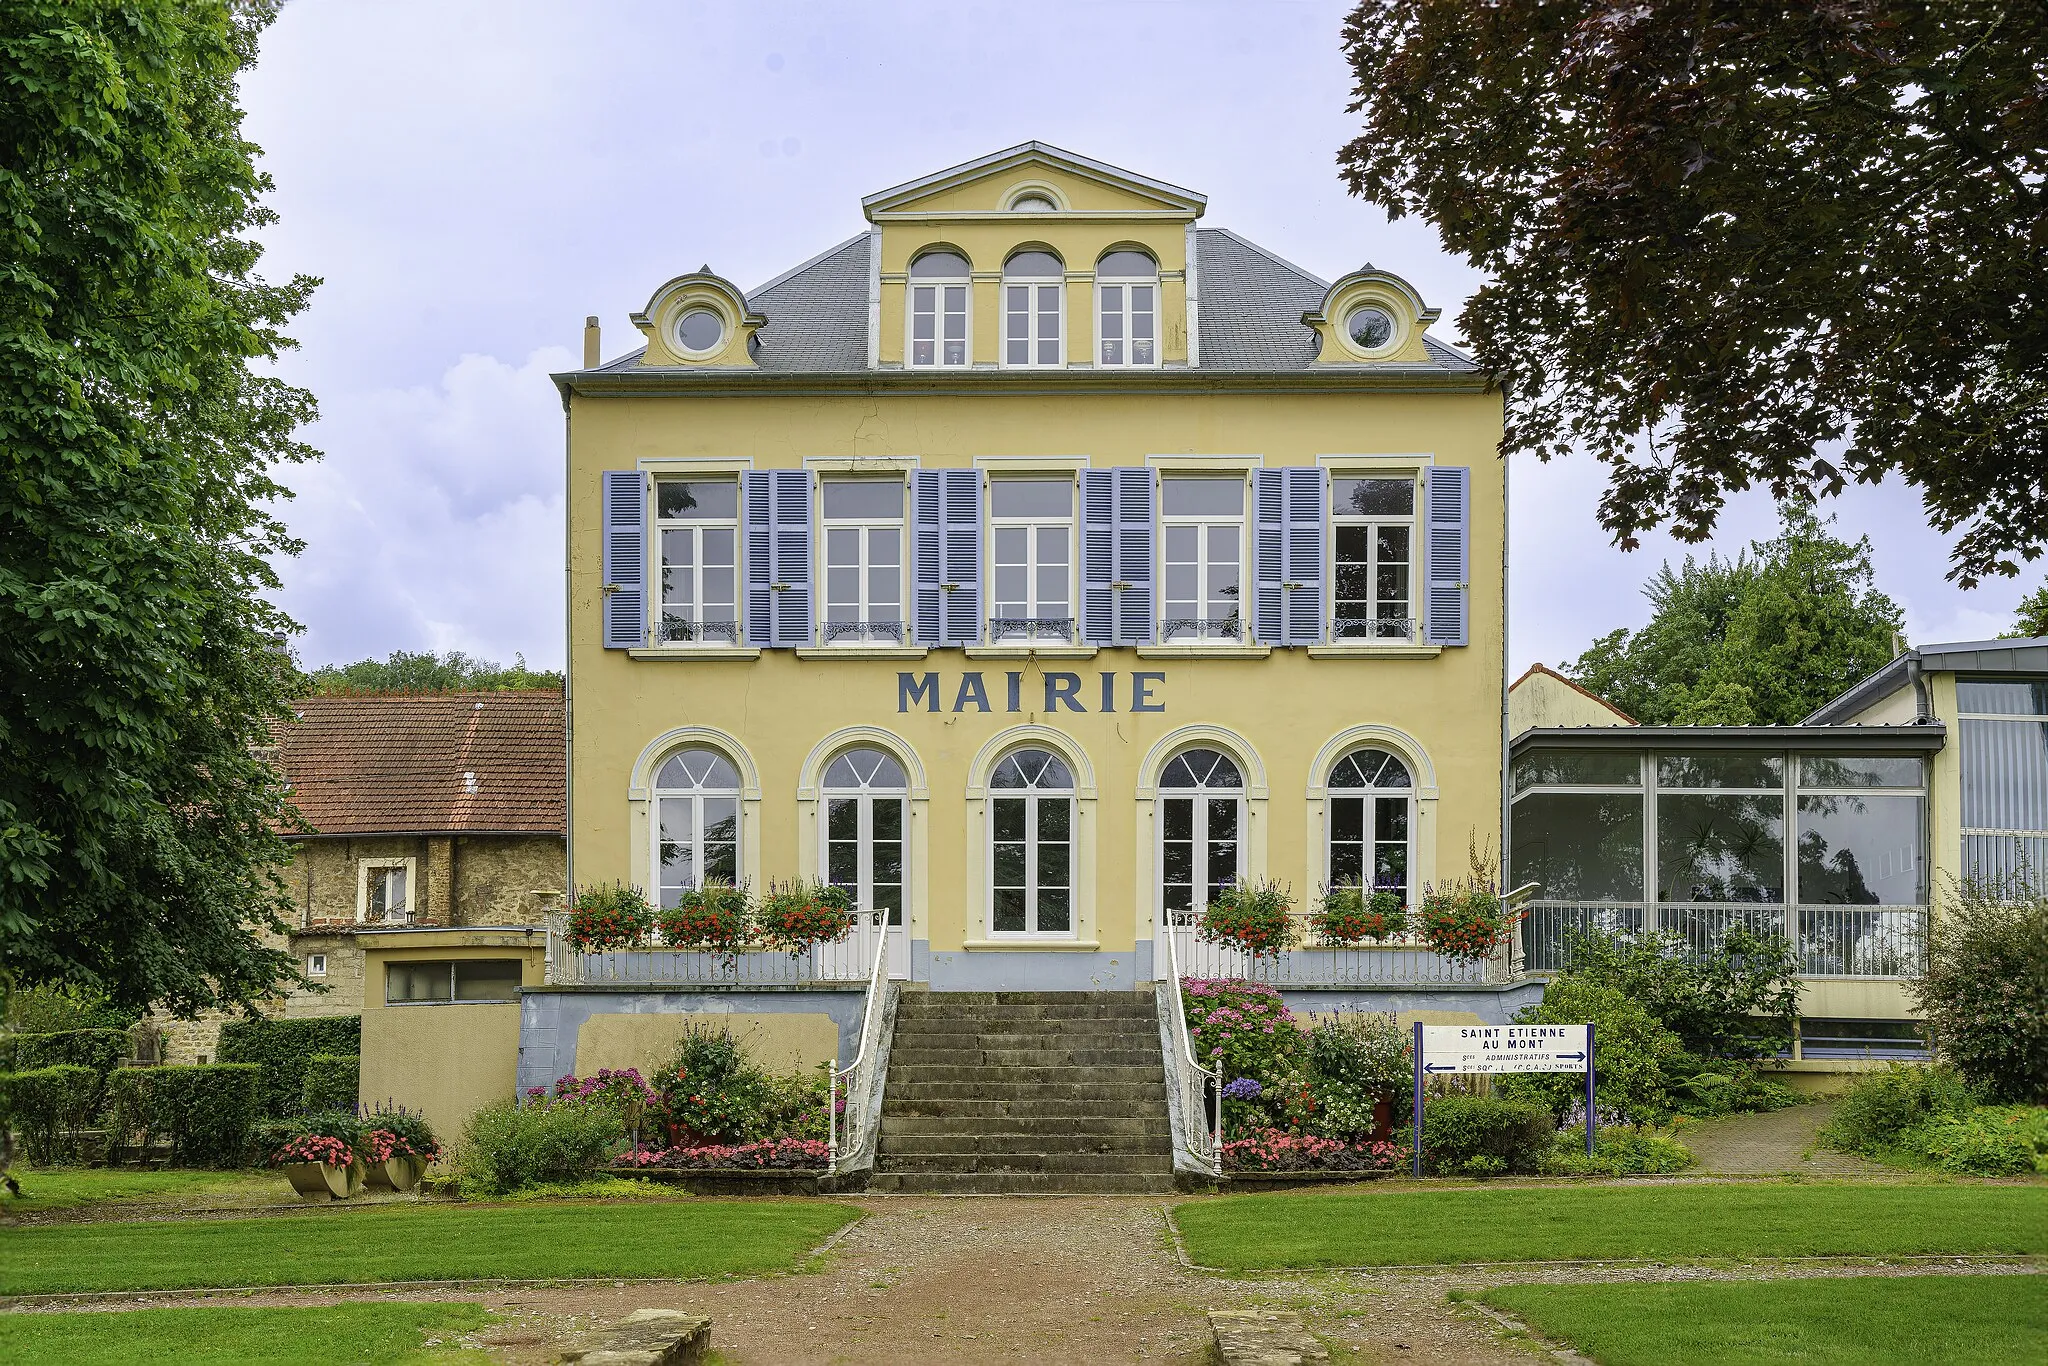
(681, 630)
(1001, 629)
(1201, 628)
(1374, 628)
(891, 631)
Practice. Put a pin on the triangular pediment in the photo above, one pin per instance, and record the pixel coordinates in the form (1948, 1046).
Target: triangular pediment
(992, 183)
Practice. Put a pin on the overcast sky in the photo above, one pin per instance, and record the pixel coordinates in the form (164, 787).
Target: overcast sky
(472, 179)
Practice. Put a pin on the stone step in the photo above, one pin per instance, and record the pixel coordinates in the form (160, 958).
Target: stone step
(984, 1111)
(1020, 1080)
(1020, 1183)
(1059, 1126)
(923, 1000)
(923, 1055)
(1025, 1033)
(1106, 1163)
(1026, 1149)
(1134, 1097)
(1134, 1011)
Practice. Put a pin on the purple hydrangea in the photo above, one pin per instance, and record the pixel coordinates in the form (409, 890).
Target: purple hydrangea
(1244, 1088)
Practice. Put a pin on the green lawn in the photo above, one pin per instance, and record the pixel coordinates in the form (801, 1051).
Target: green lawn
(1750, 1219)
(341, 1334)
(1852, 1321)
(404, 1243)
(69, 1188)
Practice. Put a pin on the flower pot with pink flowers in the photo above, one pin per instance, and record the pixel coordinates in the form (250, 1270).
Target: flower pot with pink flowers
(319, 1167)
(398, 1147)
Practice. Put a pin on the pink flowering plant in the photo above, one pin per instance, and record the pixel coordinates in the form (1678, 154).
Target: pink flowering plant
(399, 1132)
(794, 1154)
(314, 1148)
(1277, 1150)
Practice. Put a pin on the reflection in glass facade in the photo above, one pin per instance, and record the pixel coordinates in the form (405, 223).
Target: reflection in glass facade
(1581, 846)
(1713, 847)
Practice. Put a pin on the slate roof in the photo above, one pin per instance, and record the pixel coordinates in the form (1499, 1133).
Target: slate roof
(2018, 655)
(1250, 304)
(428, 763)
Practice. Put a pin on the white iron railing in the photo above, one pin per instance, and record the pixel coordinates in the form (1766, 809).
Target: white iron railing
(847, 1133)
(1402, 960)
(1201, 1093)
(1831, 941)
(653, 963)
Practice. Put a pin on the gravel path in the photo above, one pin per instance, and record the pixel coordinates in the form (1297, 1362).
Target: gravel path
(1775, 1142)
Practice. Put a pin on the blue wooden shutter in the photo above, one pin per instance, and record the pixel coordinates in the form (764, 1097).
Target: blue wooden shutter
(1098, 556)
(960, 589)
(791, 591)
(1447, 553)
(1134, 537)
(927, 554)
(1269, 556)
(1306, 528)
(757, 521)
(624, 596)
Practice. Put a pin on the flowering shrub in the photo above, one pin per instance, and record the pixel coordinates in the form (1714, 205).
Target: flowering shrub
(508, 1145)
(717, 918)
(775, 1153)
(1363, 1049)
(620, 1088)
(1348, 916)
(399, 1132)
(1275, 1150)
(1244, 1088)
(314, 1148)
(1252, 917)
(795, 915)
(1239, 1028)
(608, 916)
(1464, 920)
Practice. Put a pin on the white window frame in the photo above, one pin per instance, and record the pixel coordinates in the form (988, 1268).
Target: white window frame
(696, 796)
(1032, 797)
(1372, 796)
(863, 527)
(364, 867)
(1413, 522)
(316, 965)
(657, 562)
(1034, 287)
(865, 798)
(1030, 526)
(1203, 521)
(1123, 314)
(1199, 799)
(938, 284)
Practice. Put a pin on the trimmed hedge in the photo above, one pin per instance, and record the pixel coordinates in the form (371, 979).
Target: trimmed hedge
(332, 1080)
(1485, 1136)
(45, 1104)
(102, 1051)
(208, 1113)
(282, 1049)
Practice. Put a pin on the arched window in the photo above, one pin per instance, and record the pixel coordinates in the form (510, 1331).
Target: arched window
(697, 806)
(1201, 828)
(1031, 845)
(1033, 203)
(1371, 806)
(937, 316)
(1034, 285)
(866, 829)
(1127, 296)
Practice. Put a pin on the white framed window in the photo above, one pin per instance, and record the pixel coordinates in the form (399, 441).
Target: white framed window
(1031, 846)
(866, 829)
(1201, 828)
(697, 815)
(1201, 533)
(941, 302)
(863, 543)
(697, 537)
(384, 890)
(1031, 558)
(1034, 310)
(1372, 557)
(1370, 823)
(444, 982)
(1127, 310)
(316, 965)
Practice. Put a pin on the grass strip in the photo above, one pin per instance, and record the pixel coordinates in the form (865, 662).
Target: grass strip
(419, 1243)
(1564, 1223)
(1823, 1321)
(71, 1188)
(336, 1335)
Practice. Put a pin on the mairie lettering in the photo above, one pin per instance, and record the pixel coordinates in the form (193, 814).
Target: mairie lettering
(1061, 692)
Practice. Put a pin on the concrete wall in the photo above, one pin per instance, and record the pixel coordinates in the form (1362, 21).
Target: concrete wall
(1541, 699)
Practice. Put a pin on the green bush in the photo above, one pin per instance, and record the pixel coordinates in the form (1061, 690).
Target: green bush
(209, 1114)
(1880, 1107)
(100, 1050)
(1630, 1054)
(1616, 1152)
(1984, 990)
(1991, 1140)
(1484, 1136)
(507, 1146)
(268, 1135)
(282, 1049)
(1362, 1049)
(332, 1081)
(1727, 1090)
(1737, 1000)
(45, 1104)
(61, 1009)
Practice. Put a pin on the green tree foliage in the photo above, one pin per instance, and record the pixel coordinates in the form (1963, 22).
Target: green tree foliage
(138, 434)
(1984, 990)
(1732, 1000)
(2032, 618)
(425, 671)
(1762, 639)
(1724, 240)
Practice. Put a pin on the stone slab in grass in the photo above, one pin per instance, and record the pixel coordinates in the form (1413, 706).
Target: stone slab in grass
(1367, 1227)
(571, 1240)
(332, 1335)
(1814, 1321)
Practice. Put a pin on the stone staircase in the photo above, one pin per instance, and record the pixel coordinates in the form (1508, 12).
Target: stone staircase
(1025, 1091)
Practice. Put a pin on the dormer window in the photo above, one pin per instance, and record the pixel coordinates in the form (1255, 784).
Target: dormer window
(1127, 295)
(1033, 285)
(1370, 327)
(700, 331)
(1034, 203)
(938, 310)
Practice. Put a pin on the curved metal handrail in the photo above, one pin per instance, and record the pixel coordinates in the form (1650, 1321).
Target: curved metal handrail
(1201, 1090)
(842, 1084)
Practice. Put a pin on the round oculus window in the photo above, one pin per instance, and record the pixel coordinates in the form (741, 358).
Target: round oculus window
(1370, 327)
(700, 330)
(1033, 203)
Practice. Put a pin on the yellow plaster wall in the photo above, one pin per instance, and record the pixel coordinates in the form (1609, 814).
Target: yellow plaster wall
(1540, 700)
(776, 1043)
(1286, 706)
(992, 191)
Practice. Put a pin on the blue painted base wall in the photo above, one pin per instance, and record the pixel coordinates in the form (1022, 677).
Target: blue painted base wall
(1493, 1005)
(1030, 969)
(551, 1018)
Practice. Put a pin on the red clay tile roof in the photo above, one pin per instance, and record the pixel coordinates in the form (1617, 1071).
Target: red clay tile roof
(428, 763)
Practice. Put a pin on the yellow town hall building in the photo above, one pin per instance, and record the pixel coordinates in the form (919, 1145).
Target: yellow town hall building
(1032, 564)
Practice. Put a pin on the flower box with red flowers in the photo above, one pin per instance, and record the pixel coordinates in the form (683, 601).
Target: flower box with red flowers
(607, 917)
(794, 916)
